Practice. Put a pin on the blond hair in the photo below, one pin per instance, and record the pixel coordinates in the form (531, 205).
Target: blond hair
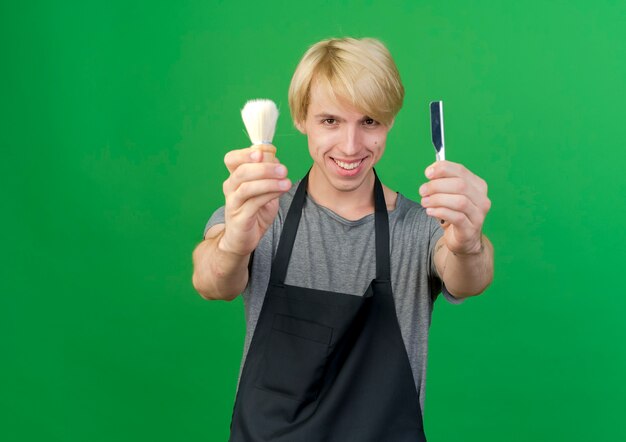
(360, 71)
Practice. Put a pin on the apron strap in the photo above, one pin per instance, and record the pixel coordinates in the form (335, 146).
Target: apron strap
(288, 235)
(292, 221)
(381, 227)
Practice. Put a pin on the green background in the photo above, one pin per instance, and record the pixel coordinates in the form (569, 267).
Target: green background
(116, 117)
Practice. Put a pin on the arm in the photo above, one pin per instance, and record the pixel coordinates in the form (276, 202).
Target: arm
(251, 192)
(465, 275)
(218, 274)
(463, 255)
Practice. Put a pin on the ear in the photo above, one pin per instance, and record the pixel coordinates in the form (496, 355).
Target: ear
(391, 124)
(301, 127)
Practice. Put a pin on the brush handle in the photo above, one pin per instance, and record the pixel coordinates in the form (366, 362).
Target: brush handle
(268, 149)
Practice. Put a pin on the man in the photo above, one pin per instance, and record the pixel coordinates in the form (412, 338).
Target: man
(339, 273)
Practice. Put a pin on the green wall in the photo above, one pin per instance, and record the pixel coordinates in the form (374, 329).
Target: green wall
(115, 120)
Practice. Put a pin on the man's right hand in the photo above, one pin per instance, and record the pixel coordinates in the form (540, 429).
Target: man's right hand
(256, 181)
(251, 191)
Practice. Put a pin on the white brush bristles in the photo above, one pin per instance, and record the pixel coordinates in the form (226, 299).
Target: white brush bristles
(259, 117)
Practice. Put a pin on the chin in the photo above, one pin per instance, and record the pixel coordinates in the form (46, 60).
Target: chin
(348, 184)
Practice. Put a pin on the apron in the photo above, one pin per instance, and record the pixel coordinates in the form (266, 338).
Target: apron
(327, 366)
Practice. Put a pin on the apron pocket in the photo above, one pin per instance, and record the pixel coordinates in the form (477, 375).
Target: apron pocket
(295, 358)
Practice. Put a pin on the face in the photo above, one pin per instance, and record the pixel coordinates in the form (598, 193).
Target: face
(344, 143)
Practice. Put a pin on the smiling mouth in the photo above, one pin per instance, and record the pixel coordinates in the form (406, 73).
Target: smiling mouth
(348, 166)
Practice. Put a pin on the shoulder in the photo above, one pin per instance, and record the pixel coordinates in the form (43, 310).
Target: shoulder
(410, 217)
(406, 208)
(391, 198)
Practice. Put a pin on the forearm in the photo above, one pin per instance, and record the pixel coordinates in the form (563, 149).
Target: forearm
(467, 275)
(218, 274)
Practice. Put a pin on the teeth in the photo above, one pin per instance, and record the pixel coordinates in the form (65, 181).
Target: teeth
(348, 166)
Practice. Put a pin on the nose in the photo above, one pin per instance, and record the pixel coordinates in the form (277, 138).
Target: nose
(352, 140)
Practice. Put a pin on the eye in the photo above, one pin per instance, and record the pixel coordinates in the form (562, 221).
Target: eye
(370, 122)
(329, 121)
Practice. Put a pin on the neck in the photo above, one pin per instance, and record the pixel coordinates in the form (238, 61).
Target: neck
(351, 204)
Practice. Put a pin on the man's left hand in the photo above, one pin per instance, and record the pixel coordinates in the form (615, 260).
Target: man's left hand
(457, 196)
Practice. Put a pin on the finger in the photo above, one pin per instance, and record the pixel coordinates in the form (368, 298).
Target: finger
(235, 158)
(458, 219)
(446, 169)
(253, 205)
(252, 189)
(457, 186)
(253, 172)
(463, 181)
(457, 203)
(253, 154)
(448, 185)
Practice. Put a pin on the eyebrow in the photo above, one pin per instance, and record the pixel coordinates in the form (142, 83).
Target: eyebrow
(335, 117)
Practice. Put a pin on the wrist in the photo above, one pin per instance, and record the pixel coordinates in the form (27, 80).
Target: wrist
(225, 248)
(474, 251)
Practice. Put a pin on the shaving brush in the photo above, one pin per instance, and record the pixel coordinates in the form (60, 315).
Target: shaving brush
(259, 117)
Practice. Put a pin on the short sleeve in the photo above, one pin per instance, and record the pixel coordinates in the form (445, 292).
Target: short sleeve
(216, 218)
(436, 232)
